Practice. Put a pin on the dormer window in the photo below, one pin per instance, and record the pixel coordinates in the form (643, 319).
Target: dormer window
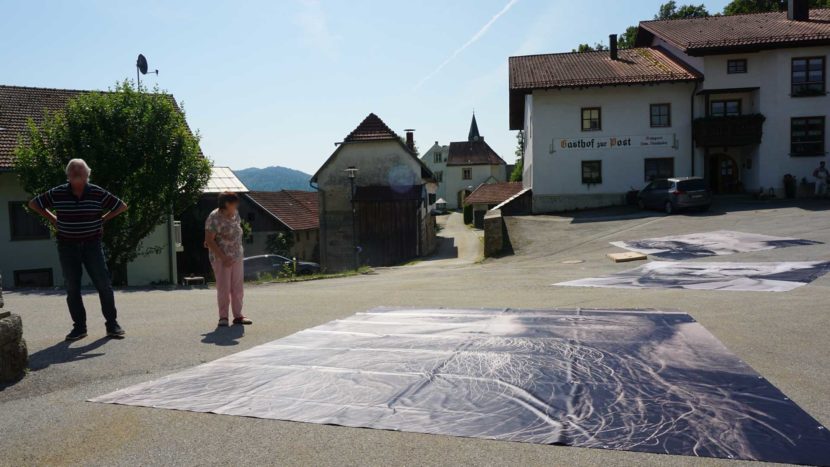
(737, 65)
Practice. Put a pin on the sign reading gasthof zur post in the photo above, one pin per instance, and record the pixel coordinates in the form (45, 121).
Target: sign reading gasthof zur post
(613, 142)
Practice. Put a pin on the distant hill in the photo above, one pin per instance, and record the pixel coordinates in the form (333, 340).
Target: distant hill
(273, 179)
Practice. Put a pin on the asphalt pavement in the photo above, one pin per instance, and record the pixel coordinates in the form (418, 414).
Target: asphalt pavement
(44, 419)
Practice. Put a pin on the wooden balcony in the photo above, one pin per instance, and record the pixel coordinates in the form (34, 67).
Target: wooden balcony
(743, 130)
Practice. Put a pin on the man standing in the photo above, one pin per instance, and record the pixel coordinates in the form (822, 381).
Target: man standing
(80, 210)
(822, 175)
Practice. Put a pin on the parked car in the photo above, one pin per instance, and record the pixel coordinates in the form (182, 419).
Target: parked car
(274, 265)
(675, 194)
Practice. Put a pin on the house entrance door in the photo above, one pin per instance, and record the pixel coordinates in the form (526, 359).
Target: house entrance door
(724, 174)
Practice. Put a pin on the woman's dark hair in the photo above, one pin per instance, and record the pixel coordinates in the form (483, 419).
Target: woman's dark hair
(227, 197)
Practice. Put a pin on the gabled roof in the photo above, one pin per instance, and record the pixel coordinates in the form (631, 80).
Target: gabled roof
(493, 193)
(472, 153)
(373, 129)
(735, 33)
(223, 179)
(642, 65)
(19, 104)
(297, 210)
(585, 69)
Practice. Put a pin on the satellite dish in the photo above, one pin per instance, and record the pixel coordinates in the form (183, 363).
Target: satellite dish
(141, 63)
(141, 67)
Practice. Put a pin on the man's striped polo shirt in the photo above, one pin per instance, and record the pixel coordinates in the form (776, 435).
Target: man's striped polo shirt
(79, 219)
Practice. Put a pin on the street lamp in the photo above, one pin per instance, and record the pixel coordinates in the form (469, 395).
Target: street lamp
(351, 172)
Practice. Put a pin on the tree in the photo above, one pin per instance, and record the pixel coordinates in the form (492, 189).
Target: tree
(516, 175)
(670, 10)
(628, 38)
(599, 46)
(280, 243)
(739, 7)
(139, 147)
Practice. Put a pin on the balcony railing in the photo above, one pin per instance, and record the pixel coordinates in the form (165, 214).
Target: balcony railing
(742, 130)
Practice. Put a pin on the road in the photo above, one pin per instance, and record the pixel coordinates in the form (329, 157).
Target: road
(44, 418)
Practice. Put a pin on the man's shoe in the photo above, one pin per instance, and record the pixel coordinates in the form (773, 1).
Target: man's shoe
(242, 320)
(76, 334)
(114, 330)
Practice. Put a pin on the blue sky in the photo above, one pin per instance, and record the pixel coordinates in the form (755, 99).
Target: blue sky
(279, 82)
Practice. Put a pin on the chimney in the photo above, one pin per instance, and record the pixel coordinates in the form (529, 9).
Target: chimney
(612, 41)
(410, 139)
(798, 10)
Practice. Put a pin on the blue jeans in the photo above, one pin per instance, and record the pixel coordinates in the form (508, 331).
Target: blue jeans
(90, 255)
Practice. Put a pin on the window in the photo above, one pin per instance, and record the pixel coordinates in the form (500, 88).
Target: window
(439, 176)
(467, 173)
(736, 66)
(725, 108)
(25, 226)
(660, 115)
(431, 198)
(591, 119)
(591, 172)
(660, 167)
(33, 278)
(807, 136)
(808, 76)
(437, 157)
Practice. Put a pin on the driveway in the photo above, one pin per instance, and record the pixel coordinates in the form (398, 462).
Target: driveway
(44, 419)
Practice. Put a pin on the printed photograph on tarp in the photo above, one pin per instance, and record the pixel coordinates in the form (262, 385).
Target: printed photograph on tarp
(638, 380)
(761, 277)
(717, 243)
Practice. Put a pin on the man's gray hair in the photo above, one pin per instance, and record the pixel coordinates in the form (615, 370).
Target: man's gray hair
(78, 163)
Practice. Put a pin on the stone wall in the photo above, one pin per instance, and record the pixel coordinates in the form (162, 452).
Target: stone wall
(494, 233)
(13, 353)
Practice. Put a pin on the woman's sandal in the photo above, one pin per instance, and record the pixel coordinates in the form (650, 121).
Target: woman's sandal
(242, 320)
(223, 322)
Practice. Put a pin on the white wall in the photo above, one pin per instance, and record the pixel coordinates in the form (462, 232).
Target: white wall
(769, 70)
(454, 182)
(41, 254)
(437, 167)
(556, 176)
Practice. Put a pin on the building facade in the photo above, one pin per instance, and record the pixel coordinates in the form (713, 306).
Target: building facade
(738, 104)
(373, 201)
(28, 255)
(464, 165)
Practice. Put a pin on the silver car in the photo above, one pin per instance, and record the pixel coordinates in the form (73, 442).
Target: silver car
(675, 194)
(275, 265)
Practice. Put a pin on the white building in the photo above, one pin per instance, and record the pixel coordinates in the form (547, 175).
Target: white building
(739, 100)
(464, 165)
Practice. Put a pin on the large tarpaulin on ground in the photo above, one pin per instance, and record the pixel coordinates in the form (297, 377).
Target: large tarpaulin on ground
(613, 379)
(761, 277)
(717, 243)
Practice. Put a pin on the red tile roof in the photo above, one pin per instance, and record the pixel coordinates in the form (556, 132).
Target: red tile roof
(584, 69)
(493, 193)
(18, 105)
(371, 128)
(297, 210)
(722, 34)
(472, 153)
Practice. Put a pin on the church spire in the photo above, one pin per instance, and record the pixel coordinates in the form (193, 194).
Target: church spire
(473, 136)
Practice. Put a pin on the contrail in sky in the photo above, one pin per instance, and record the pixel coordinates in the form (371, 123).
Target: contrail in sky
(481, 32)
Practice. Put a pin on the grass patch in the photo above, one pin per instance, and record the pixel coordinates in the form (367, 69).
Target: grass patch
(269, 279)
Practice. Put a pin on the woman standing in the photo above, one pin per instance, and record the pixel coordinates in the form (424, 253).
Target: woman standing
(223, 237)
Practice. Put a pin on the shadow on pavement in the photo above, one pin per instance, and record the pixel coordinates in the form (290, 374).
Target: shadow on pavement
(446, 249)
(63, 352)
(224, 336)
